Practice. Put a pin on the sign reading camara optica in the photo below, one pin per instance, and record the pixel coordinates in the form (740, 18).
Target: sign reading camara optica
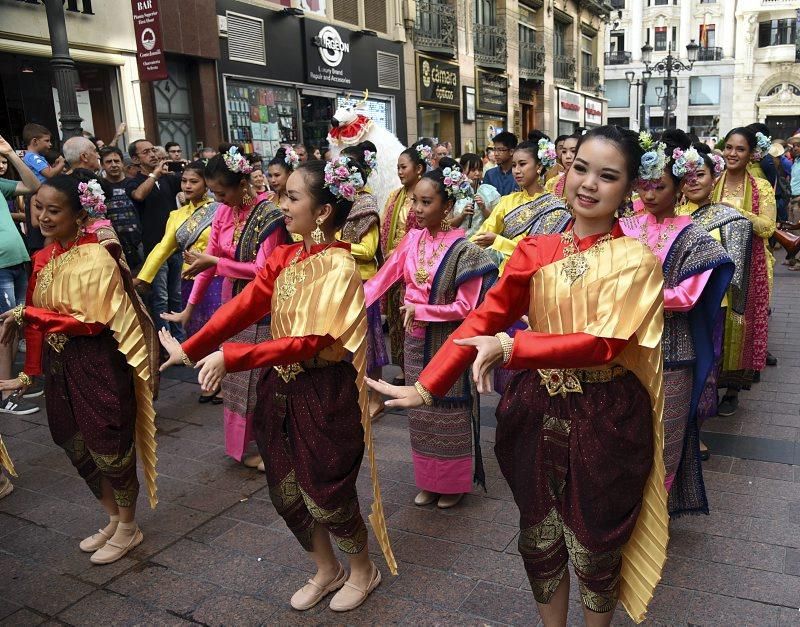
(438, 82)
(328, 60)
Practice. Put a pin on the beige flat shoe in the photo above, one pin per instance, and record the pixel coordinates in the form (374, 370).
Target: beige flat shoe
(351, 596)
(95, 542)
(424, 498)
(252, 461)
(312, 593)
(447, 501)
(6, 487)
(113, 551)
(261, 467)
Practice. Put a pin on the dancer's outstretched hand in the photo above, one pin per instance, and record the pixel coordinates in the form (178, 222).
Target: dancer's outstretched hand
(212, 371)
(11, 385)
(401, 395)
(490, 355)
(173, 348)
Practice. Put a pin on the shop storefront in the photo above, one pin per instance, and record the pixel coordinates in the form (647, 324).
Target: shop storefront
(438, 99)
(491, 97)
(570, 111)
(531, 103)
(102, 45)
(592, 112)
(275, 93)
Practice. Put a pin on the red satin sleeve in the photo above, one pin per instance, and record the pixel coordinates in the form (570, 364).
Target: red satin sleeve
(251, 305)
(34, 339)
(504, 304)
(46, 321)
(280, 352)
(534, 350)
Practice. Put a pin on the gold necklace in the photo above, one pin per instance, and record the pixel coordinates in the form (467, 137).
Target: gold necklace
(663, 236)
(422, 275)
(575, 262)
(737, 192)
(291, 277)
(47, 273)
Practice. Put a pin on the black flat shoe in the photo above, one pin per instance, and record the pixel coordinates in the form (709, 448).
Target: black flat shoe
(705, 455)
(771, 359)
(210, 399)
(728, 406)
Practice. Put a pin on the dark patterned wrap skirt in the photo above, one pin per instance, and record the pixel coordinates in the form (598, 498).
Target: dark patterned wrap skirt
(394, 320)
(577, 467)
(377, 355)
(309, 434)
(212, 300)
(91, 410)
(677, 404)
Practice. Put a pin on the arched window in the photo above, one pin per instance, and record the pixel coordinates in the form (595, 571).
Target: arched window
(794, 89)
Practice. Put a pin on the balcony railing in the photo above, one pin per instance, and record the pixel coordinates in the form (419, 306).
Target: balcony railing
(709, 54)
(598, 7)
(490, 46)
(620, 57)
(531, 61)
(590, 78)
(564, 69)
(435, 27)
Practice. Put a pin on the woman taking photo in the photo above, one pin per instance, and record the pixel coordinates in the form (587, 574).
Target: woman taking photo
(244, 232)
(697, 272)
(755, 200)
(312, 396)
(470, 212)
(528, 212)
(445, 277)
(89, 334)
(579, 436)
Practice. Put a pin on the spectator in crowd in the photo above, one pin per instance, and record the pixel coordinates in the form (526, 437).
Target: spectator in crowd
(81, 153)
(439, 151)
(131, 167)
(175, 152)
(121, 211)
(207, 152)
(153, 192)
(794, 181)
(488, 159)
(501, 177)
(301, 151)
(38, 141)
(13, 275)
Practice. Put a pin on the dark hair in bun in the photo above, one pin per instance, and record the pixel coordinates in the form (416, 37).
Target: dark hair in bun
(314, 173)
(626, 140)
(437, 176)
(674, 138)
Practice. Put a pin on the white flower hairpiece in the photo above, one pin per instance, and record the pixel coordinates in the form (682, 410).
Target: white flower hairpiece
(719, 164)
(456, 184)
(654, 159)
(92, 198)
(237, 162)
(547, 153)
(343, 179)
(425, 152)
(763, 143)
(686, 162)
(291, 158)
(370, 159)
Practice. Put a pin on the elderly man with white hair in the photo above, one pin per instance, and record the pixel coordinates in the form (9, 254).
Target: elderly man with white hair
(80, 152)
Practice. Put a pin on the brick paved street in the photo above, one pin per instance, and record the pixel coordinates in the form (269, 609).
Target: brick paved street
(215, 552)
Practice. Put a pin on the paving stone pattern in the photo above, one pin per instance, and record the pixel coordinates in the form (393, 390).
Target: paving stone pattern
(216, 553)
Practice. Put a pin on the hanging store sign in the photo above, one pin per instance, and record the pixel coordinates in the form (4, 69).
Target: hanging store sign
(438, 82)
(149, 41)
(328, 58)
(593, 110)
(570, 106)
(492, 92)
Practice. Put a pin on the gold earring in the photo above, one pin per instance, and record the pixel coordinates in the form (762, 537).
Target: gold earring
(246, 198)
(445, 226)
(317, 235)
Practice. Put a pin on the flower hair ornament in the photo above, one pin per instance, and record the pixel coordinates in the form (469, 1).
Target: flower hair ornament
(237, 162)
(686, 163)
(370, 160)
(425, 152)
(654, 159)
(763, 143)
(292, 159)
(92, 198)
(719, 164)
(456, 184)
(547, 153)
(342, 179)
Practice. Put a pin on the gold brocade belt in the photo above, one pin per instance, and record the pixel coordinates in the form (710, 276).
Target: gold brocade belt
(568, 380)
(290, 372)
(56, 341)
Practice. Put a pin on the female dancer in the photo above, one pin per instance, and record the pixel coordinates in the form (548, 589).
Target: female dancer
(312, 397)
(89, 334)
(579, 435)
(362, 232)
(445, 278)
(697, 272)
(244, 232)
(527, 212)
(566, 157)
(755, 200)
(188, 229)
(278, 171)
(396, 220)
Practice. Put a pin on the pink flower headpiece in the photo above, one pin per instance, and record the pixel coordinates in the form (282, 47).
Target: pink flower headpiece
(92, 198)
(237, 162)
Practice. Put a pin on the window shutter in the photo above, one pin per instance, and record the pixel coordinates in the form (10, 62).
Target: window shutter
(375, 15)
(346, 11)
(246, 39)
(388, 70)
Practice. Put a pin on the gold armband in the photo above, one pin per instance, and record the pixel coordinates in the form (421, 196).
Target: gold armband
(24, 379)
(186, 361)
(19, 315)
(427, 397)
(507, 344)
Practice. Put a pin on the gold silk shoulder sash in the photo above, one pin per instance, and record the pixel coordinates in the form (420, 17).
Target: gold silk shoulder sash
(324, 295)
(5, 459)
(620, 296)
(88, 286)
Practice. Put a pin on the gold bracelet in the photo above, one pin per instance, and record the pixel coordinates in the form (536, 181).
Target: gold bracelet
(427, 397)
(19, 315)
(507, 344)
(24, 379)
(186, 361)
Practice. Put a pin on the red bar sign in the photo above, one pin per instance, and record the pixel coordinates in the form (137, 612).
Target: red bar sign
(149, 46)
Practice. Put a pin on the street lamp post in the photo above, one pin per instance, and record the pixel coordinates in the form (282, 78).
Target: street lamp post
(669, 65)
(640, 103)
(63, 69)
